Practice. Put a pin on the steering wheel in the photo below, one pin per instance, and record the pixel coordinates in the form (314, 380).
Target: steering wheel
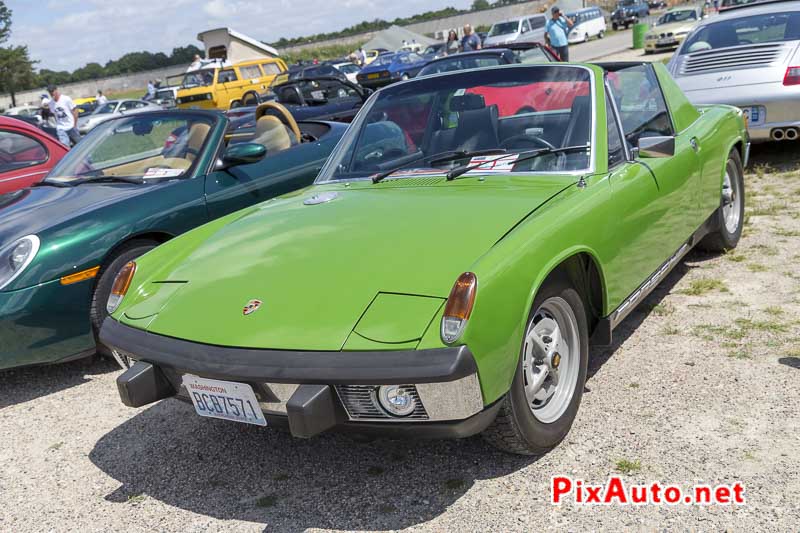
(526, 140)
(281, 113)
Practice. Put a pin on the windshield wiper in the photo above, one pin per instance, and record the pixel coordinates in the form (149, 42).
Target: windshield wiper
(463, 169)
(47, 183)
(438, 158)
(123, 179)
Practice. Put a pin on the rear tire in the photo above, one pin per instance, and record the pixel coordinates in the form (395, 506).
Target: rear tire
(601, 34)
(529, 421)
(729, 216)
(586, 37)
(102, 289)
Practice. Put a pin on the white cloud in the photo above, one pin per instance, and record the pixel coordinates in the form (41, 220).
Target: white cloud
(100, 30)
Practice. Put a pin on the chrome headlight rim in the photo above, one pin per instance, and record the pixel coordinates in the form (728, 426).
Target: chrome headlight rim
(5, 254)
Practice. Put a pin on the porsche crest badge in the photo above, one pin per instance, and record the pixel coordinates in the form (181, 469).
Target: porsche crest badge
(251, 307)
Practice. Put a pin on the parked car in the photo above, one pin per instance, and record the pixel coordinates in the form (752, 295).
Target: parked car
(166, 97)
(85, 105)
(315, 71)
(488, 57)
(113, 109)
(747, 57)
(534, 52)
(216, 84)
(589, 22)
(434, 51)
(656, 4)
(528, 28)
(312, 99)
(134, 182)
(36, 121)
(349, 69)
(26, 154)
(671, 28)
(389, 68)
(500, 245)
(31, 111)
(628, 12)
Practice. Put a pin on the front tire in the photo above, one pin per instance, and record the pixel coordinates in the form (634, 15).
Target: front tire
(729, 216)
(102, 290)
(538, 411)
(601, 34)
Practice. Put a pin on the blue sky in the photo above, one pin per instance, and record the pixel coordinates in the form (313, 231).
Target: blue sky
(66, 34)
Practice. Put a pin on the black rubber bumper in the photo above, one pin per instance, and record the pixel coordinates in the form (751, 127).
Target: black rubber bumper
(314, 407)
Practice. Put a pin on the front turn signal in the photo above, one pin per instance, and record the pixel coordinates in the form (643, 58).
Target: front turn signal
(120, 287)
(458, 308)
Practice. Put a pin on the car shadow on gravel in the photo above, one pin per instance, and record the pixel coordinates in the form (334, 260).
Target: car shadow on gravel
(236, 472)
(20, 385)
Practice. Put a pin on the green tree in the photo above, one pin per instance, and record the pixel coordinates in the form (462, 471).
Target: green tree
(16, 70)
(479, 5)
(5, 22)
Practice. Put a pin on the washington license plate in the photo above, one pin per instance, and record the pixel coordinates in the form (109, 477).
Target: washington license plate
(224, 399)
(756, 115)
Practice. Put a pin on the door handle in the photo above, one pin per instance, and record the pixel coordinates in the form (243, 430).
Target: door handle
(693, 144)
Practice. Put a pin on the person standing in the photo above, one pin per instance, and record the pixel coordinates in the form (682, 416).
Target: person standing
(101, 98)
(151, 91)
(470, 41)
(66, 115)
(452, 43)
(556, 31)
(362, 56)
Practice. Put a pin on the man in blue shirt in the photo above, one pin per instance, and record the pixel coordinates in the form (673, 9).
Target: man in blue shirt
(557, 29)
(470, 41)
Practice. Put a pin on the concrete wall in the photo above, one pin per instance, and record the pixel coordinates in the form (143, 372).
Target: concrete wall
(81, 89)
(431, 27)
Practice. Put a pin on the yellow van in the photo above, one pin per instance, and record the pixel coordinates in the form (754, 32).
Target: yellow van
(215, 84)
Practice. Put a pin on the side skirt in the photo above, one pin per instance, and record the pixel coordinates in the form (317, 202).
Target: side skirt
(602, 335)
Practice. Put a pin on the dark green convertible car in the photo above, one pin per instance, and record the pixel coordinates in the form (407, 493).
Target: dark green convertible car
(468, 239)
(131, 184)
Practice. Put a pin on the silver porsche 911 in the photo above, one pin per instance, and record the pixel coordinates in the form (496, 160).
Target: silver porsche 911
(747, 57)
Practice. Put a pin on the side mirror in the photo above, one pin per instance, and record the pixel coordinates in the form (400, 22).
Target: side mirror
(651, 147)
(241, 154)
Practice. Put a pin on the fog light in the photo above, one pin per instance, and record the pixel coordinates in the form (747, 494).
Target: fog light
(396, 400)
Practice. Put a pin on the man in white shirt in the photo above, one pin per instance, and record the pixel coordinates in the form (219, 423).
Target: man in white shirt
(66, 115)
(101, 98)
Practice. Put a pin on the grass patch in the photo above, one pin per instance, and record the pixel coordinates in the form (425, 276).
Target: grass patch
(774, 310)
(670, 330)
(662, 309)
(128, 94)
(375, 471)
(136, 498)
(780, 232)
(633, 385)
(625, 466)
(266, 501)
(761, 325)
(748, 455)
(741, 353)
(793, 351)
(766, 250)
(764, 210)
(736, 257)
(704, 285)
(757, 267)
(455, 483)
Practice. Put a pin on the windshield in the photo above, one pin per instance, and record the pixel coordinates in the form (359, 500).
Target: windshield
(164, 94)
(678, 16)
(756, 29)
(146, 147)
(461, 63)
(532, 56)
(508, 109)
(198, 78)
(349, 68)
(382, 60)
(105, 108)
(504, 28)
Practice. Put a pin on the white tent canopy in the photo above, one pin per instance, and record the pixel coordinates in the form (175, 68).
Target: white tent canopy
(392, 39)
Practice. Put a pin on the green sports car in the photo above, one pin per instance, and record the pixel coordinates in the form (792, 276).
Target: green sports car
(472, 235)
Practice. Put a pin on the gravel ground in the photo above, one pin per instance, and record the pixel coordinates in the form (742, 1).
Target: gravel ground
(700, 386)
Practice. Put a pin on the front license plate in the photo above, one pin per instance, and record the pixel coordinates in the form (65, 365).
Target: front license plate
(224, 399)
(756, 115)
(667, 42)
(372, 76)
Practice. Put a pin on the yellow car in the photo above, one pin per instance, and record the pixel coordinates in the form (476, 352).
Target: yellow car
(215, 85)
(371, 55)
(85, 105)
(671, 28)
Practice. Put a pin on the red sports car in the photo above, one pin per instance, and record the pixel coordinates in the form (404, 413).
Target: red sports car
(26, 154)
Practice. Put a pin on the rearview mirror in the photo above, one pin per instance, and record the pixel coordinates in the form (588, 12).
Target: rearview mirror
(660, 146)
(241, 154)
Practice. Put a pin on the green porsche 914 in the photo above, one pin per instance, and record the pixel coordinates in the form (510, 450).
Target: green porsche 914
(467, 241)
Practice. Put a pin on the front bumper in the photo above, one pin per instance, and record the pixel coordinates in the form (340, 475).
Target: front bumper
(312, 391)
(44, 324)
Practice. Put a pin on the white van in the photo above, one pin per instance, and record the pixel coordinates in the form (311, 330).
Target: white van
(589, 22)
(521, 29)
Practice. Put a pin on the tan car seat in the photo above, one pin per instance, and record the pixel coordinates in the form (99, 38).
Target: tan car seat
(197, 134)
(272, 134)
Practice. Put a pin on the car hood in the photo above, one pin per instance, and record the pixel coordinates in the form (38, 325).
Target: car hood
(674, 27)
(36, 209)
(317, 268)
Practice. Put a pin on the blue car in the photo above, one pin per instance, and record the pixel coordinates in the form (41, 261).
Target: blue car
(389, 68)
